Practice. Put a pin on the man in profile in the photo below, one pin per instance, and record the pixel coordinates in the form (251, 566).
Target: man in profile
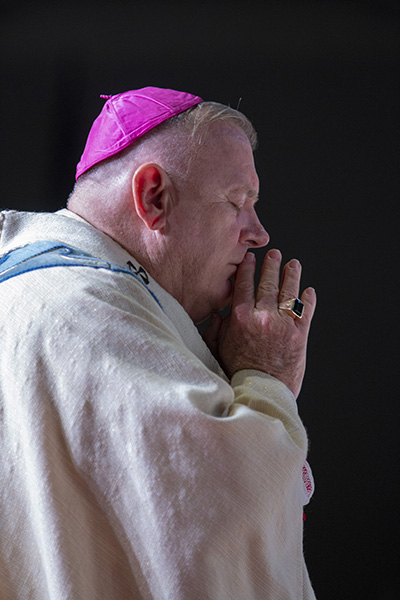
(140, 461)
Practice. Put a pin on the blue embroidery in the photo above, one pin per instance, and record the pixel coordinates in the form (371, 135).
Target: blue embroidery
(42, 255)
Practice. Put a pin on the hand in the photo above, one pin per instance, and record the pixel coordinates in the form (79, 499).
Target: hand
(256, 335)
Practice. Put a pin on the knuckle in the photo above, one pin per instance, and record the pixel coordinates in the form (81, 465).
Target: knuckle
(240, 313)
(268, 287)
(243, 284)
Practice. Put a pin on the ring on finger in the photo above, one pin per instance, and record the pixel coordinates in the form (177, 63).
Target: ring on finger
(294, 307)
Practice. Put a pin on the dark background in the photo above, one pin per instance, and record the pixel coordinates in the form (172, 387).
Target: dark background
(320, 81)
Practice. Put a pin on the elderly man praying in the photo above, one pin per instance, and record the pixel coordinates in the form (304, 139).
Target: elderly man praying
(139, 460)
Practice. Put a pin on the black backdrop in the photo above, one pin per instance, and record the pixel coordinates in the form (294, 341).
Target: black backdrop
(320, 80)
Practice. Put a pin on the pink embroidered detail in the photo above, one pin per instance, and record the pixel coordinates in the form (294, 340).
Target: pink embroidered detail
(308, 482)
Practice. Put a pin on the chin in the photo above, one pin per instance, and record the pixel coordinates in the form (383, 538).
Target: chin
(217, 303)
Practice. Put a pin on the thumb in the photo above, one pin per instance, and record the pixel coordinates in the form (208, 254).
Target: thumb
(210, 334)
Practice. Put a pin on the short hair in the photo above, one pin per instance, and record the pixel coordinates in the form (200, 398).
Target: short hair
(199, 117)
(185, 133)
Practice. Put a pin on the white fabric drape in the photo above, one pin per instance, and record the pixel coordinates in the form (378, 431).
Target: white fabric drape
(131, 468)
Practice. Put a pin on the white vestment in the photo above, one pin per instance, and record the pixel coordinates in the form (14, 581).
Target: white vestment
(131, 468)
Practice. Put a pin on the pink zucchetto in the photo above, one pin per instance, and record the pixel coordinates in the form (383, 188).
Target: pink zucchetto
(128, 116)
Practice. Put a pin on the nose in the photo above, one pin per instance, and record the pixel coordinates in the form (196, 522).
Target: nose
(254, 234)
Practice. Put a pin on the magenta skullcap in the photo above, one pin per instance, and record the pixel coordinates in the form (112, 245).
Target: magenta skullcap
(128, 116)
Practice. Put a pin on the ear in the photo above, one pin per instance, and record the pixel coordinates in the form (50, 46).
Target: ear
(150, 188)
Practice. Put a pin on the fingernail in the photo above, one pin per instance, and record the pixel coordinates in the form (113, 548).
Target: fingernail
(294, 264)
(249, 257)
(274, 254)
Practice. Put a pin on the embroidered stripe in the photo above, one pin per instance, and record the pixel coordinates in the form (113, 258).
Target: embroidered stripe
(45, 254)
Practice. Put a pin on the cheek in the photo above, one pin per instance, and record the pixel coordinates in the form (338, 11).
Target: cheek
(224, 235)
(211, 247)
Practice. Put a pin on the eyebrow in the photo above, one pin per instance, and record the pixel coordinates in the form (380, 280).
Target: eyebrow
(249, 192)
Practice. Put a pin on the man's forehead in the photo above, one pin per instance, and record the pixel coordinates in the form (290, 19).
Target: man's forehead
(224, 160)
(223, 139)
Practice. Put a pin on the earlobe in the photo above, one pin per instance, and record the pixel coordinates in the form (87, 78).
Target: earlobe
(150, 188)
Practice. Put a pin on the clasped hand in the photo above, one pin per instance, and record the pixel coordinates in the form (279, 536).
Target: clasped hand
(256, 334)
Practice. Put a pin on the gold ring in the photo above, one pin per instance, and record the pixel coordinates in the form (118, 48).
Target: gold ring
(294, 307)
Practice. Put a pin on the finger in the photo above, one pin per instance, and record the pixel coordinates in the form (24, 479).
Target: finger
(309, 299)
(243, 290)
(268, 288)
(290, 281)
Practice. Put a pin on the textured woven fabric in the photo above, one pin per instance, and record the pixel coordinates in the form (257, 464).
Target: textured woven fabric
(131, 467)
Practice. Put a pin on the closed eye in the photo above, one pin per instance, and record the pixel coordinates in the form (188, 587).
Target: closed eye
(235, 205)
